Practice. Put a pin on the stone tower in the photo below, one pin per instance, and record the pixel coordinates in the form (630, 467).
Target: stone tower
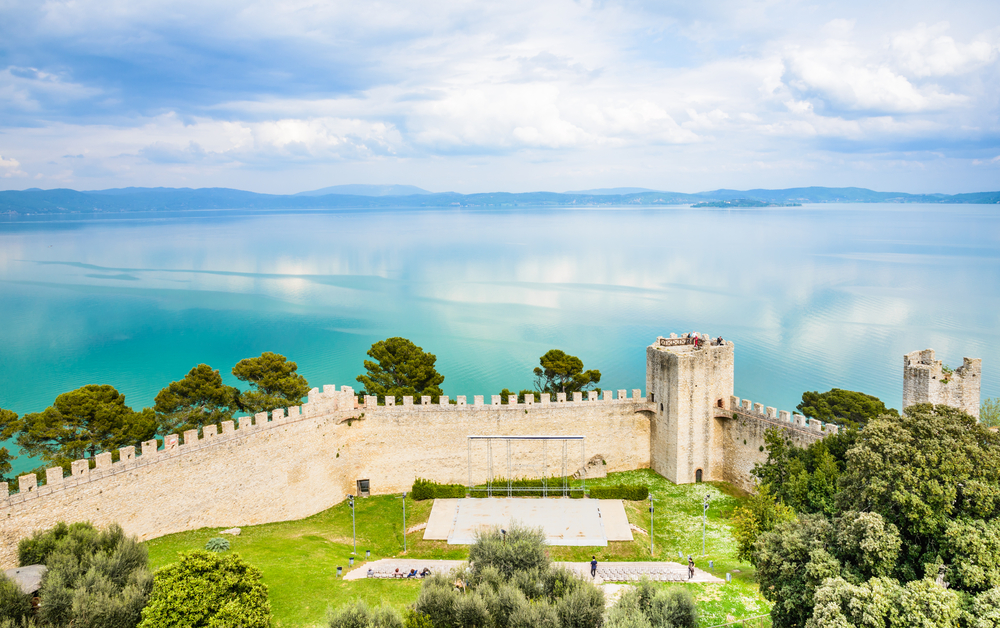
(688, 383)
(925, 382)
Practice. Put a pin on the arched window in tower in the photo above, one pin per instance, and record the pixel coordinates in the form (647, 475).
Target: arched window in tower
(719, 403)
(697, 476)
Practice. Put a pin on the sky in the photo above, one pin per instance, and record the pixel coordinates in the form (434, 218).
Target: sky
(516, 96)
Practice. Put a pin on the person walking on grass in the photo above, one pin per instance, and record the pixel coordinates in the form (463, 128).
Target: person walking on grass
(593, 566)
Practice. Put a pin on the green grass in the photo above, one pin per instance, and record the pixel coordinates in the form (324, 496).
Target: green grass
(299, 559)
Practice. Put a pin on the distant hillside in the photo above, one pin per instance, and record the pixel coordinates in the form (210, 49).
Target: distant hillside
(606, 191)
(37, 201)
(367, 190)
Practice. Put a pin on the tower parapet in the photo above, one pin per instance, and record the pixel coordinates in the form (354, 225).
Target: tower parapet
(925, 381)
(688, 378)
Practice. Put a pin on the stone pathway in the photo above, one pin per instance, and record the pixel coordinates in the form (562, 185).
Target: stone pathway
(606, 572)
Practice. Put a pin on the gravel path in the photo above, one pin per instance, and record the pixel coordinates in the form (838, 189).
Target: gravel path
(606, 572)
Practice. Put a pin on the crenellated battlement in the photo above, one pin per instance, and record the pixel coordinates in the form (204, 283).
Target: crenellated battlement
(294, 462)
(331, 401)
(780, 418)
(925, 381)
(479, 401)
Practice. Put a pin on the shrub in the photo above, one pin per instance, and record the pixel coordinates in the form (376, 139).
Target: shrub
(415, 620)
(425, 489)
(628, 492)
(520, 549)
(35, 550)
(673, 608)
(583, 607)
(554, 484)
(360, 615)
(95, 579)
(648, 606)
(218, 544)
(14, 603)
(437, 601)
(206, 589)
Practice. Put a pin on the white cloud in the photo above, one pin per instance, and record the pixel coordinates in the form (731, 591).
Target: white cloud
(441, 87)
(926, 51)
(11, 167)
(840, 73)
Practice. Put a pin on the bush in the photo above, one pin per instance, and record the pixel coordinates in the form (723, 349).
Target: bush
(648, 606)
(413, 620)
(521, 549)
(359, 615)
(510, 584)
(206, 589)
(95, 579)
(425, 489)
(628, 492)
(35, 550)
(218, 544)
(555, 486)
(14, 603)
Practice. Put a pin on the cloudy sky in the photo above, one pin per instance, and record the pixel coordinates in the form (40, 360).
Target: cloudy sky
(512, 96)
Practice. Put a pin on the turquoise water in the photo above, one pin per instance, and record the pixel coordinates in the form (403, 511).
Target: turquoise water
(814, 297)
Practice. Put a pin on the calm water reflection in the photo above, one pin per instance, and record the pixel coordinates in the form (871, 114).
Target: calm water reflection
(815, 297)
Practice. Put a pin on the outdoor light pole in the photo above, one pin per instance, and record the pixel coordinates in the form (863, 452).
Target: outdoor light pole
(651, 525)
(354, 524)
(404, 522)
(704, 517)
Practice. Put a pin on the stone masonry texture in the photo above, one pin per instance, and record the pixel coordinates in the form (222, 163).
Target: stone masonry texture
(299, 461)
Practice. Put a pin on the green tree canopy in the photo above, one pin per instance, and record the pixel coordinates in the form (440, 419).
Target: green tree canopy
(918, 507)
(95, 578)
(84, 422)
(804, 478)
(758, 514)
(931, 466)
(843, 407)
(210, 590)
(400, 368)
(989, 412)
(197, 400)
(273, 381)
(563, 373)
(9, 425)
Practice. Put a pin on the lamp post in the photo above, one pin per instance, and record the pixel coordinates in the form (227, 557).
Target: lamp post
(704, 521)
(651, 525)
(404, 522)
(354, 525)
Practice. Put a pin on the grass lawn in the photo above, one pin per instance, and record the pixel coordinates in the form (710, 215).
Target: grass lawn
(299, 559)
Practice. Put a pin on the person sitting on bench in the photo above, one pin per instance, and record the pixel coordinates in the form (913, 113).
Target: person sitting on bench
(412, 574)
(425, 572)
(397, 574)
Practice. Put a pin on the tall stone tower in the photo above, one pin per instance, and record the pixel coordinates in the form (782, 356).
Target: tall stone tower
(688, 383)
(924, 381)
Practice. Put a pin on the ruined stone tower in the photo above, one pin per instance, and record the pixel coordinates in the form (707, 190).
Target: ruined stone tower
(924, 381)
(688, 384)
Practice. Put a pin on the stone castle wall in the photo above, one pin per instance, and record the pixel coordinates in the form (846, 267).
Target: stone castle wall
(295, 464)
(744, 424)
(924, 381)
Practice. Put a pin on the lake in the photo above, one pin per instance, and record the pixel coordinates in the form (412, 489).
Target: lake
(814, 297)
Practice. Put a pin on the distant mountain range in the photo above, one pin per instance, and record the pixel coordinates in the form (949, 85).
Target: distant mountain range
(367, 190)
(35, 201)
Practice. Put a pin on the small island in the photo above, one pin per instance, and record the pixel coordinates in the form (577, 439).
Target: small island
(744, 202)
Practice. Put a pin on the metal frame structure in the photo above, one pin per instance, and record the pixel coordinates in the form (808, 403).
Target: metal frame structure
(562, 490)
